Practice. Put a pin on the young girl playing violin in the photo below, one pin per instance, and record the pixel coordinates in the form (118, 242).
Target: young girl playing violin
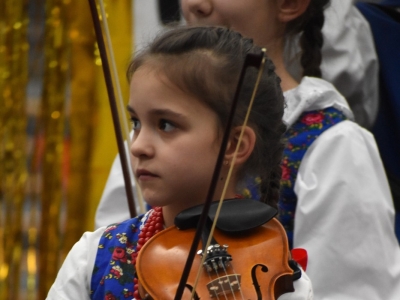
(335, 200)
(181, 89)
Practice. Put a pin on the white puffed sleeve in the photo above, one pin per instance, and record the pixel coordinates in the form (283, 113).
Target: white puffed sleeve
(345, 218)
(73, 279)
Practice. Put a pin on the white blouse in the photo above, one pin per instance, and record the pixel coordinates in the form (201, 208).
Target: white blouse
(345, 215)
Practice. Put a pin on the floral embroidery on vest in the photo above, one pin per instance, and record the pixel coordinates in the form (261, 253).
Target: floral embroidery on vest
(299, 138)
(113, 273)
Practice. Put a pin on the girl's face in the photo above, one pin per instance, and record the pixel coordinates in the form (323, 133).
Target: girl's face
(175, 143)
(256, 19)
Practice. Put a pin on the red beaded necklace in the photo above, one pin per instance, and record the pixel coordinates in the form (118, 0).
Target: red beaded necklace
(153, 225)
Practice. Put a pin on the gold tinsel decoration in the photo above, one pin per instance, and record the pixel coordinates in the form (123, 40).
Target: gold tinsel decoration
(74, 141)
(83, 108)
(13, 172)
(52, 118)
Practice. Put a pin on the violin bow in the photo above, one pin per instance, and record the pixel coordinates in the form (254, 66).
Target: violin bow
(251, 60)
(113, 106)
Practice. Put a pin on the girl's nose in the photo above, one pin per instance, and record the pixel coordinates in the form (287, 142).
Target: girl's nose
(141, 145)
(199, 8)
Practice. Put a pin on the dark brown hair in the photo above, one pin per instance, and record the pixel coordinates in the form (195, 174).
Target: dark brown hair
(310, 26)
(206, 62)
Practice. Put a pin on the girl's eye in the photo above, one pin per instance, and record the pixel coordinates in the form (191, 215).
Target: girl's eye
(166, 126)
(135, 124)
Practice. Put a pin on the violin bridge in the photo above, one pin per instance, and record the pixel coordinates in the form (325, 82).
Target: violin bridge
(224, 285)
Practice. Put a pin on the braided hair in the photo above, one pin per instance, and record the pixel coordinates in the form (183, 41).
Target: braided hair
(310, 24)
(206, 63)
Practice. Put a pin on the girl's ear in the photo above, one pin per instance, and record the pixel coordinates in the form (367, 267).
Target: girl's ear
(289, 10)
(246, 145)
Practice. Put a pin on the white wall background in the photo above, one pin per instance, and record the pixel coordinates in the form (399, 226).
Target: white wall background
(146, 21)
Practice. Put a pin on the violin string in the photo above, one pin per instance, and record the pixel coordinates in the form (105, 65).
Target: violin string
(120, 99)
(238, 281)
(211, 280)
(230, 284)
(220, 283)
(260, 72)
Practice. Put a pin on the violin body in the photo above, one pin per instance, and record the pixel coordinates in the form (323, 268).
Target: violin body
(259, 268)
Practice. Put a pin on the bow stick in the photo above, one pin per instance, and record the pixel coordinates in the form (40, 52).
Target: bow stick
(113, 106)
(251, 60)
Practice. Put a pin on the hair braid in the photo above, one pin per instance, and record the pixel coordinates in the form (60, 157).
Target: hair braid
(271, 176)
(311, 41)
(270, 187)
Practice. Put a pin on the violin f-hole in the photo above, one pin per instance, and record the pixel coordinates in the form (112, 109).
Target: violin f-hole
(190, 288)
(264, 269)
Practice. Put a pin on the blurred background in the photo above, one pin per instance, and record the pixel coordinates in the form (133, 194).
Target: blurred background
(57, 138)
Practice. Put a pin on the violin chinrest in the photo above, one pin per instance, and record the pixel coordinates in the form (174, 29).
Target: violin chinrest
(237, 215)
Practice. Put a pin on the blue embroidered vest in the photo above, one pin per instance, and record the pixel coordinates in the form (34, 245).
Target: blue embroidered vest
(113, 273)
(299, 138)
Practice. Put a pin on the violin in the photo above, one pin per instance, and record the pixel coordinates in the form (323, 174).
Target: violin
(247, 259)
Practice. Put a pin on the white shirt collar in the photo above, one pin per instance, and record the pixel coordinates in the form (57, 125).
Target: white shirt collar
(313, 94)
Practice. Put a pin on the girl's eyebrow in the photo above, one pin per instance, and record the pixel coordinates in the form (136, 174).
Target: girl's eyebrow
(130, 109)
(167, 112)
(159, 112)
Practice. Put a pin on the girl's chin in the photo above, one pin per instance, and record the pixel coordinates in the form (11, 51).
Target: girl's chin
(153, 201)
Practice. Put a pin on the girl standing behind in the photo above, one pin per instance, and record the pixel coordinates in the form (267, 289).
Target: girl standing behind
(180, 96)
(336, 203)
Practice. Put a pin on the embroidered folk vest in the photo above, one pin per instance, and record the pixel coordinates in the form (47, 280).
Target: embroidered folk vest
(114, 271)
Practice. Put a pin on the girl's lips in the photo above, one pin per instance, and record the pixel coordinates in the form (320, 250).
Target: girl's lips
(143, 174)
